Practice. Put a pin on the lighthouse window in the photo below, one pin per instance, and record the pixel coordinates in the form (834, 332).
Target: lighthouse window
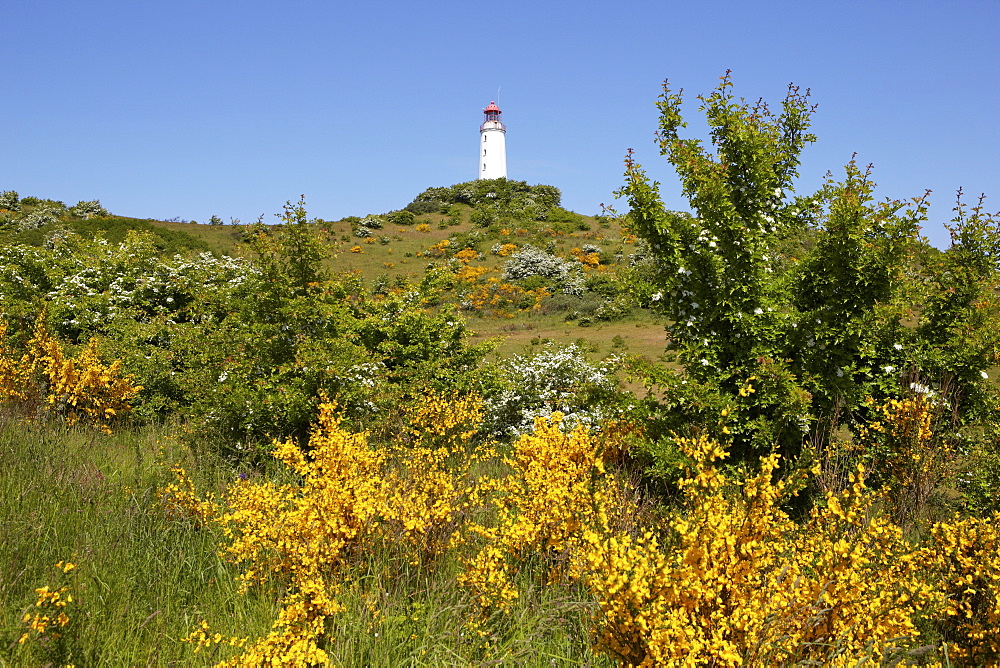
(484, 152)
(484, 139)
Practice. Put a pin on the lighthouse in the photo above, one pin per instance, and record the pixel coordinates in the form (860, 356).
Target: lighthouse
(492, 144)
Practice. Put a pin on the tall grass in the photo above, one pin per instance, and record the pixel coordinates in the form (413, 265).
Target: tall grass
(81, 496)
(143, 582)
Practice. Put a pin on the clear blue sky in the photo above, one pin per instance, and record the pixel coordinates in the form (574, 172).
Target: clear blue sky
(188, 109)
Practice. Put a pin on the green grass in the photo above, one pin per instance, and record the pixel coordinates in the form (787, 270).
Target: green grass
(639, 334)
(143, 582)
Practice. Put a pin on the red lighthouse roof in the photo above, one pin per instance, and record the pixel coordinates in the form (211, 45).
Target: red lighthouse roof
(491, 118)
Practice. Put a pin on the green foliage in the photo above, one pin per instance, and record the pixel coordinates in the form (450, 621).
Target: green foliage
(114, 229)
(424, 207)
(793, 306)
(41, 202)
(291, 258)
(496, 199)
(243, 348)
(402, 217)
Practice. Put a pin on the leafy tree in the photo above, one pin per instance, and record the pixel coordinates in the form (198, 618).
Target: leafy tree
(291, 257)
(789, 309)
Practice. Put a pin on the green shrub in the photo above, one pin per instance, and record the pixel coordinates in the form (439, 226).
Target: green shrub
(424, 207)
(93, 209)
(791, 308)
(402, 217)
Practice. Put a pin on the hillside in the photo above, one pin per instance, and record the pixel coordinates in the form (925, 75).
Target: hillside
(315, 442)
(471, 237)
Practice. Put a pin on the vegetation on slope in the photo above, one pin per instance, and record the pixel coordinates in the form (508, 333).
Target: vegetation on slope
(347, 475)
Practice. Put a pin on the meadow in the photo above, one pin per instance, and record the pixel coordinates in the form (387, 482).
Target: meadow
(484, 430)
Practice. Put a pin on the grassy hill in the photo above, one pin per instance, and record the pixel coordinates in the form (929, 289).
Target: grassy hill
(472, 228)
(394, 254)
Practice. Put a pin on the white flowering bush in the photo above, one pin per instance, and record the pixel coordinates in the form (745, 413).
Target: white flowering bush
(556, 378)
(373, 222)
(93, 208)
(10, 201)
(139, 304)
(529, 261)
(88, 284)
(38, 218)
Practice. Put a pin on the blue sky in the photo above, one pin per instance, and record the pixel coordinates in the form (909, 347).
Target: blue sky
(189, 109)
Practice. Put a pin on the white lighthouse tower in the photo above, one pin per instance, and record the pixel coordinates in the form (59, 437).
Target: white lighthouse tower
(492, 144)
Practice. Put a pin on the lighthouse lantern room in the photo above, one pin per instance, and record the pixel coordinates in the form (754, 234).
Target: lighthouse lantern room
(492, 144)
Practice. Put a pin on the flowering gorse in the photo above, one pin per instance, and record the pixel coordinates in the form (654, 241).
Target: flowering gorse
(542, 508)
(44, 380)
(350, 499)
(735, 581)
(179, 500)
(965, 557)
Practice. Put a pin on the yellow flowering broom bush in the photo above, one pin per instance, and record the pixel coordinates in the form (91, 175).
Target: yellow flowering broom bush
(427, 490)
(543, 507)
(180, 501)
(965, 556)
(45, 380)
(304, 534)
(727, 578)
(735, 581)
(350, 499)
(909, 443)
